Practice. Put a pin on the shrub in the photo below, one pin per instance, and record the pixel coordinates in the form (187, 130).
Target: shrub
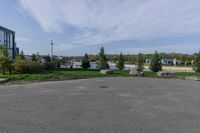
(197, 62)
(26, 66)
(5, 60)
(49, 64)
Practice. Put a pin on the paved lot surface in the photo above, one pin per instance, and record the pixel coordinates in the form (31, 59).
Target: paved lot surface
(107, 105)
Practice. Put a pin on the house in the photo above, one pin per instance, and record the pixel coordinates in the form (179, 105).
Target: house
(7, 37)
(148, 61)
(77, 64)
(170, 61)
(165, 61)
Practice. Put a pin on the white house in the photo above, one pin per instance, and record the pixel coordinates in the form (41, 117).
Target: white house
(77, 64)
(165, 61)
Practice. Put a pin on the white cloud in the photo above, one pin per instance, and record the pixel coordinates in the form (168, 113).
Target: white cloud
(22, 39)
(104, 21)
(64, 46)
(181, 48)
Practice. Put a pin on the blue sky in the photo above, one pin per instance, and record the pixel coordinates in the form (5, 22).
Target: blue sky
(80, 26)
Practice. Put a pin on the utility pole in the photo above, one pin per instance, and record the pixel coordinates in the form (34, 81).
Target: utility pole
(51, 43)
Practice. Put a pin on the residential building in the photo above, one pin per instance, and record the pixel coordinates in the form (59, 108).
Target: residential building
(170, 61)
(165, 61)
(77, 64)
(7, 37)
(148, 61)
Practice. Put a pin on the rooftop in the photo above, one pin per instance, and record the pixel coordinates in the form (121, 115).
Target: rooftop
(5, 29)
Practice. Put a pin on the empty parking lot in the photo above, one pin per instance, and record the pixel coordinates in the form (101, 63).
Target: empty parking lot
(101, 105)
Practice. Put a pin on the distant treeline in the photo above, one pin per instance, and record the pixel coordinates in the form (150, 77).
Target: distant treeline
(132, 59)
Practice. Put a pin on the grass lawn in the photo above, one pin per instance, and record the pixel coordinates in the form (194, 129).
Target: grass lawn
(62, 74)
(79, 73)
(54, 74)
(184, 74)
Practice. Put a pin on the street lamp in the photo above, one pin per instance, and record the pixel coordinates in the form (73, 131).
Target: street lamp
(51, 43)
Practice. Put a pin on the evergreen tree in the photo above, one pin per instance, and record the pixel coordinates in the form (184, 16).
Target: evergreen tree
(156, 65)
(34, 57)
(197, 62)
(120, 63)
(85, 62)
(140, 62)
(103, 64)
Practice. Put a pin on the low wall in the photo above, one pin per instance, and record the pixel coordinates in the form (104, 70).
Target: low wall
(172, 68)
(181, 69)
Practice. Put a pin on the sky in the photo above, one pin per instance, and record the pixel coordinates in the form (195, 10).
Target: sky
(80, 26)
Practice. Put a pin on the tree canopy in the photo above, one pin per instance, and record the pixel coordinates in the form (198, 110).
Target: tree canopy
(102, 60)
(156, 65)
(120, 62)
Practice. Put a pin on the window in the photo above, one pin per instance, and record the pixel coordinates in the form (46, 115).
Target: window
(11, 40)
(8, 39)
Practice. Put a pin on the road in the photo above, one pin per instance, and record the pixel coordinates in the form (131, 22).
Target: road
(101, 105)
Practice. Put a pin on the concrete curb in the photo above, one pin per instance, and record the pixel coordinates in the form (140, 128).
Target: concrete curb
(3, 80)
(195, 78)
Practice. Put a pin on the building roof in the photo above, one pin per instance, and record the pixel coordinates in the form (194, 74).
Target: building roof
(5, 29)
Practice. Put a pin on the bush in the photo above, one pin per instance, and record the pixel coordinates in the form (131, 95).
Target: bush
(5, 60)
(49, 64)
(197, 62)
(24, 66)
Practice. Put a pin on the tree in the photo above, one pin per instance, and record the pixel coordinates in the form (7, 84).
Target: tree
(21, 56)
(49, 64)
(85, 62)
(19, 63)
(103, 64)
(197, 62)
(120, 62)
(35, 57)
(156, 65)
(140, 62)
(5, 62)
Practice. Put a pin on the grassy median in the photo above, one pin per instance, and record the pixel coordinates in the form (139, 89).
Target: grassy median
(63, 74)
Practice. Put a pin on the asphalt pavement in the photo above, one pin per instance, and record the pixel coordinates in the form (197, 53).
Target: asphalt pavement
(101, 105)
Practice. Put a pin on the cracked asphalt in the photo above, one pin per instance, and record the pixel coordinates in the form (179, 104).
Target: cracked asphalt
(101, 105)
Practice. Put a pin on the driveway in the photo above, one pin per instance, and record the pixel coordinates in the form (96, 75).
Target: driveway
(101, 105)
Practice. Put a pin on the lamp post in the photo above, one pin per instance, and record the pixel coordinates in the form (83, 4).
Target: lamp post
(51, 43)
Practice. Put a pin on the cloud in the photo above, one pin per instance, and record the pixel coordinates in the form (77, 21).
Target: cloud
(104, 21)
(181, 48)
(64, 46)
(22, 39)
